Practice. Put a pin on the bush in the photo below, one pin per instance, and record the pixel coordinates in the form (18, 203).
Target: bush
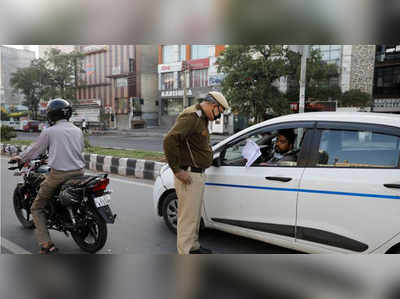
(6, 133)
(355, 98)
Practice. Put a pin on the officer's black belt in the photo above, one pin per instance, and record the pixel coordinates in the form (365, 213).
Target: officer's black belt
(193, 169)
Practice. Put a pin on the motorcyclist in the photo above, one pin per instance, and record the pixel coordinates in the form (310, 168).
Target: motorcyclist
(65, 144)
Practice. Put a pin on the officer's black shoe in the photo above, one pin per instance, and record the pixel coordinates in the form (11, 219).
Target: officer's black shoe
(201, 250)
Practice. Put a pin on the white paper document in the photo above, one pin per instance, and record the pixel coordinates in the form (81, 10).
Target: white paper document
(251, 152)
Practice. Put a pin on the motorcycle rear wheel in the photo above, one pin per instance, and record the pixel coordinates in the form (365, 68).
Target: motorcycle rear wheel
(93, 237)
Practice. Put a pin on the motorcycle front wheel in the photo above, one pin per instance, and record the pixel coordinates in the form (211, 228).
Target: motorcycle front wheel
(93, 236)
(22, 211)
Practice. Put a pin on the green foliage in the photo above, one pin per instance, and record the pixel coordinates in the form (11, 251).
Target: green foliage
(64, 70)
(319, 74)
(252, 73)
(30, 81)
(7, 133)
(54, 76)
(250, 76)
(355, 98)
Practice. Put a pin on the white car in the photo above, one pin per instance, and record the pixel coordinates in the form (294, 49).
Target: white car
(341, 195)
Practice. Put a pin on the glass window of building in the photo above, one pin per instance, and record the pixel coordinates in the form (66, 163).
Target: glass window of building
(200, 78)
(167, 81)
(387, 81)
(132, 65)
(200, 51)
(330, 53)
(182, 52)
(170, 54)
(180, 80)
(172, 106)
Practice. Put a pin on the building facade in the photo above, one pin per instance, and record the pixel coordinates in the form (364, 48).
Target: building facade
(10, 60)
(387, 79)
(123, 78)
(355, 65)
(195, 65)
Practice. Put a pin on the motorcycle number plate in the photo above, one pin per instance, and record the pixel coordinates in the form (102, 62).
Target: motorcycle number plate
(102, 201)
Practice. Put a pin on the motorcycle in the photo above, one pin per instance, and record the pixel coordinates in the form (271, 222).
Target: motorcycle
(80, 207)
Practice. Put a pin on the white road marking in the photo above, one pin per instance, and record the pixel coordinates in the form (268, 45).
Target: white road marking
(12, 247)
(132, 183)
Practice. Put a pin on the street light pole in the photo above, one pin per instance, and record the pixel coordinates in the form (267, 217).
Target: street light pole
(303, 78)
(186, 72)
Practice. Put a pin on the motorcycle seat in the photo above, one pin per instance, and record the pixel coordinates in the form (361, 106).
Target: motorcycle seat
(79, 181)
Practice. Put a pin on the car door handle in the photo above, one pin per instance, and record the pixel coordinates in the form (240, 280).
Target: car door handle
(278, 178)
(395, 186)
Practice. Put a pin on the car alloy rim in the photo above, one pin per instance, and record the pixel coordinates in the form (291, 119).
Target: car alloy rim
(172, 212)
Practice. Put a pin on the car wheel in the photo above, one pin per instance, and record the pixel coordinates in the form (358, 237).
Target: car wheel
(170, 211)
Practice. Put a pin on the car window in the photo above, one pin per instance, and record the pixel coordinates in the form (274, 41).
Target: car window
(266, 142)
(341, 148)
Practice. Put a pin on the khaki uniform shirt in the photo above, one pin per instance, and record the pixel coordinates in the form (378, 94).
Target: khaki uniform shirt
(191, 125)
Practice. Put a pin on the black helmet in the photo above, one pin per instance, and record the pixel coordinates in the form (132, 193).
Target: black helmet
(58, 109)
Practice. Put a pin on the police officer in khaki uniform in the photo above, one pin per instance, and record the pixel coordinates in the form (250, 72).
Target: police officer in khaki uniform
(65, 144)
(189, 154)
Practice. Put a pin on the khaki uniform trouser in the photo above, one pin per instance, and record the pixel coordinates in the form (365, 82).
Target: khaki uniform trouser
(190, 199)
(47, 189)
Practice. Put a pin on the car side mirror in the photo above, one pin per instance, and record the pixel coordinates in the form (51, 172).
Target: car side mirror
(217, 161)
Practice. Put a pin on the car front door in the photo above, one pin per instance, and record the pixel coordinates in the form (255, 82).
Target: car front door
(256, 201)
(349, 200)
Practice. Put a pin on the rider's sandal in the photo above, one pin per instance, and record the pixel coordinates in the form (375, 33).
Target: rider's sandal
(52, 249)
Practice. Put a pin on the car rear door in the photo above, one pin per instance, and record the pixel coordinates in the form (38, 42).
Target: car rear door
(349, 199)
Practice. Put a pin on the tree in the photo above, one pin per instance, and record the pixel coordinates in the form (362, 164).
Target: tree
(320, 74)
(251, 73)
(64, 70)
(355, 98)
(55, 75)
(32, 81)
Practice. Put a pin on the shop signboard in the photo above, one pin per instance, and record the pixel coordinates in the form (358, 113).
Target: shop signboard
(198, 64)
(387, 105)
(175, 93)
(171, 67)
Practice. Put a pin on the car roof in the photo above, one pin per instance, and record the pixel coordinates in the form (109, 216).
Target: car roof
(354, 117)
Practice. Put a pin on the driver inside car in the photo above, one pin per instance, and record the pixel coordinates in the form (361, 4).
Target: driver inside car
(284, 148)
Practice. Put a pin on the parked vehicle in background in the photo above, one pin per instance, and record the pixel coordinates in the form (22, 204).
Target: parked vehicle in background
(16, 125)
(31, 126)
